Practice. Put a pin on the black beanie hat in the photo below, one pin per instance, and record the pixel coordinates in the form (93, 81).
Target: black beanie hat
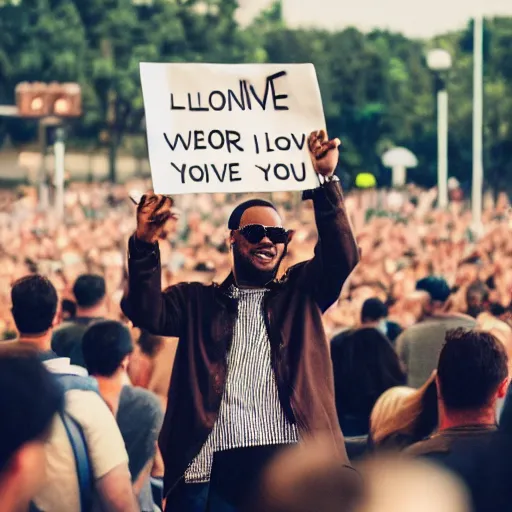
(236, 216)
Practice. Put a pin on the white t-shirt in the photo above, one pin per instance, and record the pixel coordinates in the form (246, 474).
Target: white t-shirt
(104, 442)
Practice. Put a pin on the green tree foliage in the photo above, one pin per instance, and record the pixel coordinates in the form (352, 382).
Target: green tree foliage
(376, 88)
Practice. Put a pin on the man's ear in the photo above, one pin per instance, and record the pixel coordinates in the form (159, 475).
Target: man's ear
(57, 319)
(503, 388)
(291, 234)
(231, 238)
(125, 362)
(438, 385)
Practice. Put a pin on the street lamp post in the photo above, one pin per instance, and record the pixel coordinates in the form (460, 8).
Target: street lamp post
(50, 104)
(59, 151)
(440, 61)
(478, 171)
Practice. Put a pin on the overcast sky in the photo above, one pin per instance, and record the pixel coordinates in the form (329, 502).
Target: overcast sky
(416, 18)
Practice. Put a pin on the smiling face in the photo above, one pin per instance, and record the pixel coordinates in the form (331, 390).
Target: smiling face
(257, 264)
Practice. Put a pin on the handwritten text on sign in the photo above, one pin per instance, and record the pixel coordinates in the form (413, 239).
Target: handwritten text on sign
(230, 128)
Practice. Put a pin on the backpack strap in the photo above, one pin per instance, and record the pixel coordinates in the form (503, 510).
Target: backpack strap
(83, 468)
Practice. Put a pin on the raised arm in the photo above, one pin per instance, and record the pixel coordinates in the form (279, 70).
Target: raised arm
(336, 253)
(144, 302)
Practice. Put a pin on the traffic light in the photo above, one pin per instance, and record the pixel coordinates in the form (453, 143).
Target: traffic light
(31, 99)
(37, 99)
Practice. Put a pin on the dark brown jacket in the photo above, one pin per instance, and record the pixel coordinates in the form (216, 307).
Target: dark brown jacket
(203, 318)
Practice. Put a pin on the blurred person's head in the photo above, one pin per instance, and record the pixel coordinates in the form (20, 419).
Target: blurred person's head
(438, 291)
(259, 242)
(501, 330)
(89, 291)
(364, 365)
(150, 344)
(472, 374)
(498, 311)
(68, 309)
(487, 322)
(503, 333)
(393, 484)
(477, 298)
(34, 305)
(403, 416)
(373, 311)
(106, 346)
(310, 477)
(29, 400)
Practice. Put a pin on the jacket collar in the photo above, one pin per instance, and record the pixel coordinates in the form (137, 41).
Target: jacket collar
(230, 281)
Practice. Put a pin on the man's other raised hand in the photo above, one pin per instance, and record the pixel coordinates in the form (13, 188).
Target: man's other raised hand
(154, 213)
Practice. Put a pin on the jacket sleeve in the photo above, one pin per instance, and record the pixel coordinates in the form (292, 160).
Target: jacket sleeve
(144, 303)
(336, 252)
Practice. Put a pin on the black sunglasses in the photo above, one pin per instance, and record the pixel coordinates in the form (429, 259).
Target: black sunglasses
(255, 233)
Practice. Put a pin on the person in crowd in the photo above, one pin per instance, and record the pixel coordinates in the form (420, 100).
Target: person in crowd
(477, 299)
(364, 365)
(68, 309)
(418, 346)
(150, 367)
(25, 427)
(472, 374)
(398, 484)
(503, 333)
(107, 347)
(106, 451)
(90, 293)
(490, 487)
(311, 479)
(34, 309)
(308, 478)
(374, 313)
(252, 372)
(402, 416)
(498, 311)
(151, 364)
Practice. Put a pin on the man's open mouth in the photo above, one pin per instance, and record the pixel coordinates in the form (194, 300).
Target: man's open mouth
(265, 254)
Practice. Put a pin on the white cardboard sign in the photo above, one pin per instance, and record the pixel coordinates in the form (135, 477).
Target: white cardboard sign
(230, 127)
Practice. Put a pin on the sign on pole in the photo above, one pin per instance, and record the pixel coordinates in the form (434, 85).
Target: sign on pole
(230, 127)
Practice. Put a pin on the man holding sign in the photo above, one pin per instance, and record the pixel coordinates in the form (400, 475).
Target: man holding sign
(252, 372)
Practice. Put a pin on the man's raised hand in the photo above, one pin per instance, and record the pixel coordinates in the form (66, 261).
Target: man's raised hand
(324, 152)
(154, 211)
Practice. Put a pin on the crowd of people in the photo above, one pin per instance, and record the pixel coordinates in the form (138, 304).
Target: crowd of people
(402, 237)
(420, 346)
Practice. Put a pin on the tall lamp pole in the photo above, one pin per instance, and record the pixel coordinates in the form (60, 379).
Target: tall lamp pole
(50, 104)
(59, 152)
(440, 61)
(478, 170)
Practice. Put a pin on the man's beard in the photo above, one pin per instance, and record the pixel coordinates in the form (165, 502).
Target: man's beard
(247, 274)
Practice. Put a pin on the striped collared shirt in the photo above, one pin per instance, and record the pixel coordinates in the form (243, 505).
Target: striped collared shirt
(250, 413)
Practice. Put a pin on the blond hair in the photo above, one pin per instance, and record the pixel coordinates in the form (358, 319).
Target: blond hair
(397, 411)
